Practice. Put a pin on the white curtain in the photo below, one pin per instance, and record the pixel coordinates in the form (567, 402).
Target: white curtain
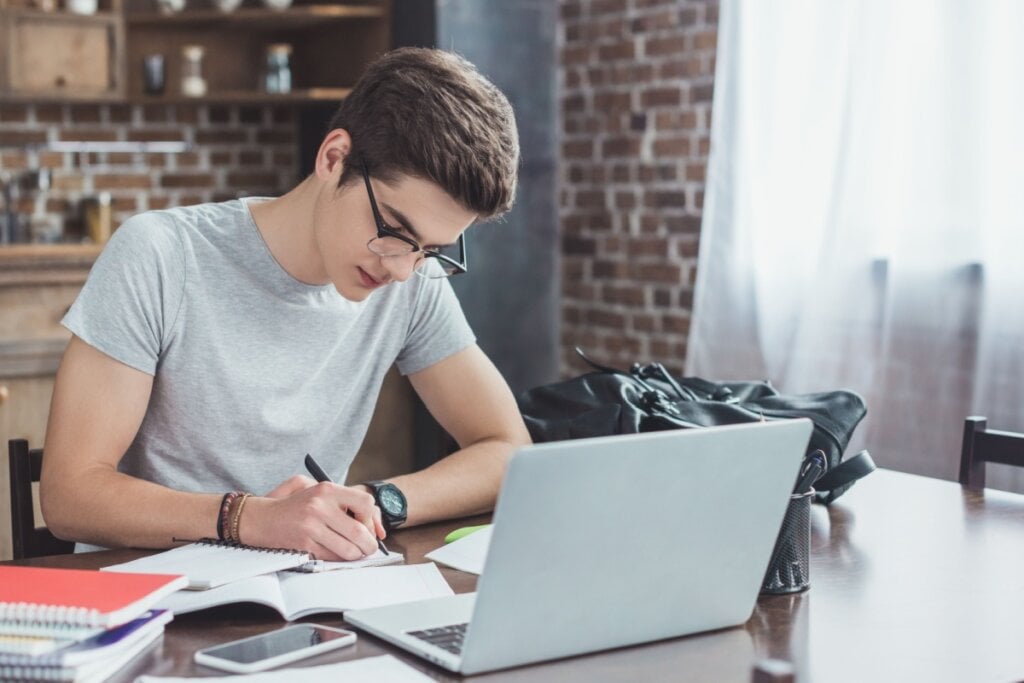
(864, 219)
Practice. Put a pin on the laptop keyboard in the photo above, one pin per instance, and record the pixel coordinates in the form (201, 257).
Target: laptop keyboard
(445, 637)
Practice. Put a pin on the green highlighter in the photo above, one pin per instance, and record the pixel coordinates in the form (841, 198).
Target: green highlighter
(463, 532)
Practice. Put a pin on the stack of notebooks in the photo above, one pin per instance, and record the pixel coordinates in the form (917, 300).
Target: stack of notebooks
(77, 625)
(81, 625)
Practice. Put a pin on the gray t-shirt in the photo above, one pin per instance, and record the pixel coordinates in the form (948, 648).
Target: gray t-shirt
(252, 369)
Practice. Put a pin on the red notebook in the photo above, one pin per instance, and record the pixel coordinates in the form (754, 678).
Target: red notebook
(79, 597)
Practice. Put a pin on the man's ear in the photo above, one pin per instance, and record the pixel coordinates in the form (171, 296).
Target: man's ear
(330, 159)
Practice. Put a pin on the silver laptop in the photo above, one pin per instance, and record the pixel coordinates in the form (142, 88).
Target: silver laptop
(607, 542)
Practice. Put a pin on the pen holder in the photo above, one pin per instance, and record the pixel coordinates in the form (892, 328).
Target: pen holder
(790, 566)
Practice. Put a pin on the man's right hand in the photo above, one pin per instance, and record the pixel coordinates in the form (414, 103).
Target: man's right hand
(331, 521)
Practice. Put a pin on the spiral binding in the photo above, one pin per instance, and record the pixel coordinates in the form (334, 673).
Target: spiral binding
(35, 673)
(17, 613)
(241, 546)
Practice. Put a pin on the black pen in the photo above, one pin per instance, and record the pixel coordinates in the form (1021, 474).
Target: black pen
(319, 474)
(815, 465)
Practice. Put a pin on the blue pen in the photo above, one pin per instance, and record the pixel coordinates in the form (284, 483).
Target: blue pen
(318, 473)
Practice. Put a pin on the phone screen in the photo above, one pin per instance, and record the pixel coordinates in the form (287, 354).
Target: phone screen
(276, 643)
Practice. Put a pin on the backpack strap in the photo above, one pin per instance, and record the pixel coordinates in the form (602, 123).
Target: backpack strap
(840, 478)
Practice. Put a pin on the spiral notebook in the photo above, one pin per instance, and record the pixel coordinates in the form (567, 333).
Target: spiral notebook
(95, 660)
(209, 563)
(104, 645)
(72, 603)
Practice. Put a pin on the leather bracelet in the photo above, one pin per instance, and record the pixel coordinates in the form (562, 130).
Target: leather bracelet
(236, 518)
(222, 514)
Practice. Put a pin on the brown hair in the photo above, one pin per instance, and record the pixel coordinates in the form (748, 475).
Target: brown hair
(430, 114)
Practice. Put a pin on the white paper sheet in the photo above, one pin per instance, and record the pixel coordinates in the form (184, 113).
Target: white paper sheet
(383, 669)
(466, 554)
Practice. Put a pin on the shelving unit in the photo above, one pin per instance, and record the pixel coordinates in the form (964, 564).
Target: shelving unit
(331, 42)
(58, 56)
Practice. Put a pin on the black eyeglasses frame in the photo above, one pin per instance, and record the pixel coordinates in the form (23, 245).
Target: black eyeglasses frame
(384, 230)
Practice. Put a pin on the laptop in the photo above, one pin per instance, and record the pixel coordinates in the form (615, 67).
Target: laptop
(607, 542)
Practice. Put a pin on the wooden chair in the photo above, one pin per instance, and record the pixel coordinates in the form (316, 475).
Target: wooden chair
(26, 466)
(983, 445)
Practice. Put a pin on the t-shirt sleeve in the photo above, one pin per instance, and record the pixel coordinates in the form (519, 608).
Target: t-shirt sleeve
(131, 298)
(438, 328)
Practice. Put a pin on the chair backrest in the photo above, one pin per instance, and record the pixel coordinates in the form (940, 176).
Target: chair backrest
(983, 445)
(26, 465)
(772, 671)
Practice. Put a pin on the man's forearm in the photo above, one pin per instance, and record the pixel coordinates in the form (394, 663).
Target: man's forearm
(108, 508)
(464, 483)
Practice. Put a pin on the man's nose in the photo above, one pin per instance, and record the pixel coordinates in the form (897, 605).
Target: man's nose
(400, 268)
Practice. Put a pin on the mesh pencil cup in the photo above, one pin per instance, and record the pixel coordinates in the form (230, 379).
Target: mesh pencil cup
(790, 566)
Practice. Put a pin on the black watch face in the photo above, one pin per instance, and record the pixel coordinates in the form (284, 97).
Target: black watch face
(391, 501)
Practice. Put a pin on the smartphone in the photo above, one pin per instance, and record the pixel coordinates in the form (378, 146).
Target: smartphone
(267, 650)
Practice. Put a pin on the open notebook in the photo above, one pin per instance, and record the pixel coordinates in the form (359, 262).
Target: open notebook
(210, 563)
(296, 595)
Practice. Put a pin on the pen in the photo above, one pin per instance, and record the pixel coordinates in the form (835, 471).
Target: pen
(814, 466)
(319, 474)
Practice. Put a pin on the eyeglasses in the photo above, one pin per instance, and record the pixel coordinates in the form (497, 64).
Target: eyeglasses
(390, 242)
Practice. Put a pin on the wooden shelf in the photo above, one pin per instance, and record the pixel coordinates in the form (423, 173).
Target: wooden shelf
(292, 17)
(22, 265)
(298, 96)
(33, 12)
(63, 97)
(37, 254)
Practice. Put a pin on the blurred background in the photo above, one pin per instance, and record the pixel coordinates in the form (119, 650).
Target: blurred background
(820, 194)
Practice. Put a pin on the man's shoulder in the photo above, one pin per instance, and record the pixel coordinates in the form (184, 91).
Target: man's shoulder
(170, 228)
(150, 231)
(185, 217)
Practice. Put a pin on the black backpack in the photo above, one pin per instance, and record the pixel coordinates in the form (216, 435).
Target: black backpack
(648, 398)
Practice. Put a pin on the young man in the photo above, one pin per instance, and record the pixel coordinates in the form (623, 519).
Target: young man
(215, 345)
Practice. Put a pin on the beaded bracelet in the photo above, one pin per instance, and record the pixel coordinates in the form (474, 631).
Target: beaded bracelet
(222, 516)
(233, 534)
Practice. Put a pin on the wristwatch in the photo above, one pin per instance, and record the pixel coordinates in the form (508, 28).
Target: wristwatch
(391, 501)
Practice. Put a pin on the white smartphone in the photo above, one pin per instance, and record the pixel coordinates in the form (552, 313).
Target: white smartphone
(267, 650)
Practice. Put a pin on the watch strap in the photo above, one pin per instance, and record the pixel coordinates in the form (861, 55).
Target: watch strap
(390, 521)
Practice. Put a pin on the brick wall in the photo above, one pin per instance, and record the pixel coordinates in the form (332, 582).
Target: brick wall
(233, 151)
(636, 81)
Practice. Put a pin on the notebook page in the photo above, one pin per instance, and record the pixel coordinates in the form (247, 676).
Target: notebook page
(208, 564)
(264, 590)
(378, 559)
(360, 588)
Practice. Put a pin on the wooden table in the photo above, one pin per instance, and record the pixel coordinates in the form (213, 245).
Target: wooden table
(912, 579)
